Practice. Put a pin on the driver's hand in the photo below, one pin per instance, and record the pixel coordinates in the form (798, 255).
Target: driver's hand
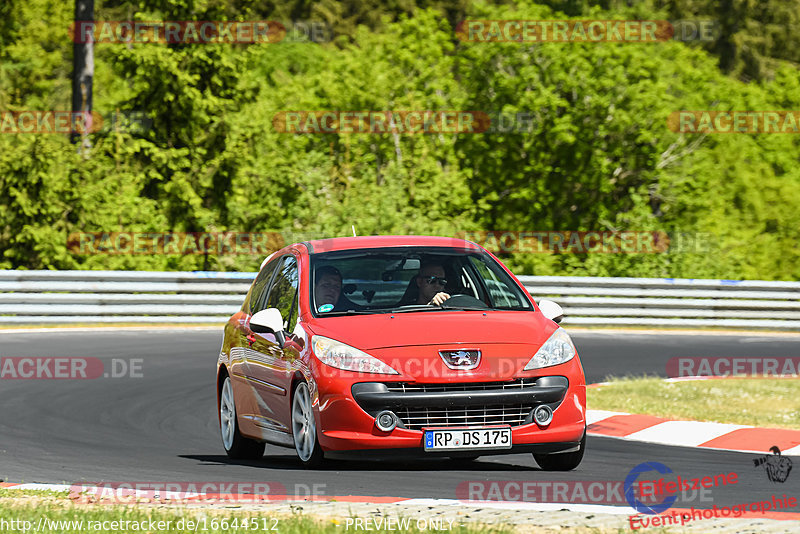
(439, 298)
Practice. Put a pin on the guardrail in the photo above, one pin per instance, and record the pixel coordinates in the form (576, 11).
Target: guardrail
(671, 301)
(39, 297)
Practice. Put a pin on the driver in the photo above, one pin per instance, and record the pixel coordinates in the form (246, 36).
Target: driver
(430, 283)
(327, 287)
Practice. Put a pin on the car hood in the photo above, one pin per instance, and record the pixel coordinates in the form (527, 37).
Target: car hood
(381, 331)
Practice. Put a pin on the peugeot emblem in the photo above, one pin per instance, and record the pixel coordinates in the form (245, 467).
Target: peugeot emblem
(461, 359)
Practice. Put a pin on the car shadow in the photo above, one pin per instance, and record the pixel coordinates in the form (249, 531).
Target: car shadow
(290, 462)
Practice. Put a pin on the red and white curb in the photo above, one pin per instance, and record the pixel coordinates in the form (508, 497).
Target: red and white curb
(651, 429)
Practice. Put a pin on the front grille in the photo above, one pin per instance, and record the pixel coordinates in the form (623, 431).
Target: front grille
(415, 418)
(405, 387)
(497, 414)
(461, 404)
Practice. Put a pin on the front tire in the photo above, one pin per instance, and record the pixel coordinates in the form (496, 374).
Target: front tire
(304, 428)
(566, 461)
(236, 446)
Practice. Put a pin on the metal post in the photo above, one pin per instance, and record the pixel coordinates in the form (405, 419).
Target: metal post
(82, 73)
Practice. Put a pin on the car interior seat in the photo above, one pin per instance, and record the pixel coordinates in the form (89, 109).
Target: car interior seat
(411, 293)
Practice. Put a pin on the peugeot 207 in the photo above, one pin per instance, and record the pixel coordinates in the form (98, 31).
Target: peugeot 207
(383, 345)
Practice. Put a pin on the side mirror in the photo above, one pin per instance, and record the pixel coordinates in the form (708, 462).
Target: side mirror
(551, 310)
(269, 321)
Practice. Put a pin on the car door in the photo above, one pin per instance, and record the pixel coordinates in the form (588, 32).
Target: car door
(247, 397)
(270, 365)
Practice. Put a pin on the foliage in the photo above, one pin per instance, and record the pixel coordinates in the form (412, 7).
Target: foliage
(596, 157)
(752, 39)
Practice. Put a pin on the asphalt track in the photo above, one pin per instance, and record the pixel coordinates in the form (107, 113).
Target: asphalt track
(162, 427)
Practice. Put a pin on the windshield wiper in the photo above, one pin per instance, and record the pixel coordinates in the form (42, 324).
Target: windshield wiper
(415, 308)
(348, 312)
(431, 307)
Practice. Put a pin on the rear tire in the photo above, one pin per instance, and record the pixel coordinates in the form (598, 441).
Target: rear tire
(566, 461)
(304, 428)
(236, 446)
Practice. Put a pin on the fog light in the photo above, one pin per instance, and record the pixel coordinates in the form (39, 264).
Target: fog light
(543, 415)
(386, 421)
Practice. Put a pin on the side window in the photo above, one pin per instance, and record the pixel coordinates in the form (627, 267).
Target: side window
(283, 291)
(501, 293)
(258, 292)
(468, 285)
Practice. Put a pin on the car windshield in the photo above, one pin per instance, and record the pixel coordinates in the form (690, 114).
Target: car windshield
(404, 280)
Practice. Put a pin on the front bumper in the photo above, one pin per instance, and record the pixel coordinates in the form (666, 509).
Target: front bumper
(347, 412)
(419, 452)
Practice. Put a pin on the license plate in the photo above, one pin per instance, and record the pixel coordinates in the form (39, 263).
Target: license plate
(461, 439)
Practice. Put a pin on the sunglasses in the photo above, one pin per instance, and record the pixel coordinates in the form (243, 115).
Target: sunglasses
(435, 280)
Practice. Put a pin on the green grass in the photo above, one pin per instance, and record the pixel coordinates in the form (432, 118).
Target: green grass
(5, 492)
(50, 515)
(762, 402)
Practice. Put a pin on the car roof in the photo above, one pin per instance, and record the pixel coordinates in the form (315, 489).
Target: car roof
(381, 241)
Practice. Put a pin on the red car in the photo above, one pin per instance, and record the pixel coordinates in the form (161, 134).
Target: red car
(398, 344)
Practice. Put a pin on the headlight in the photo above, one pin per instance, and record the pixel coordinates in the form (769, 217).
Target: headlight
(557, 349)
(341, 356)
